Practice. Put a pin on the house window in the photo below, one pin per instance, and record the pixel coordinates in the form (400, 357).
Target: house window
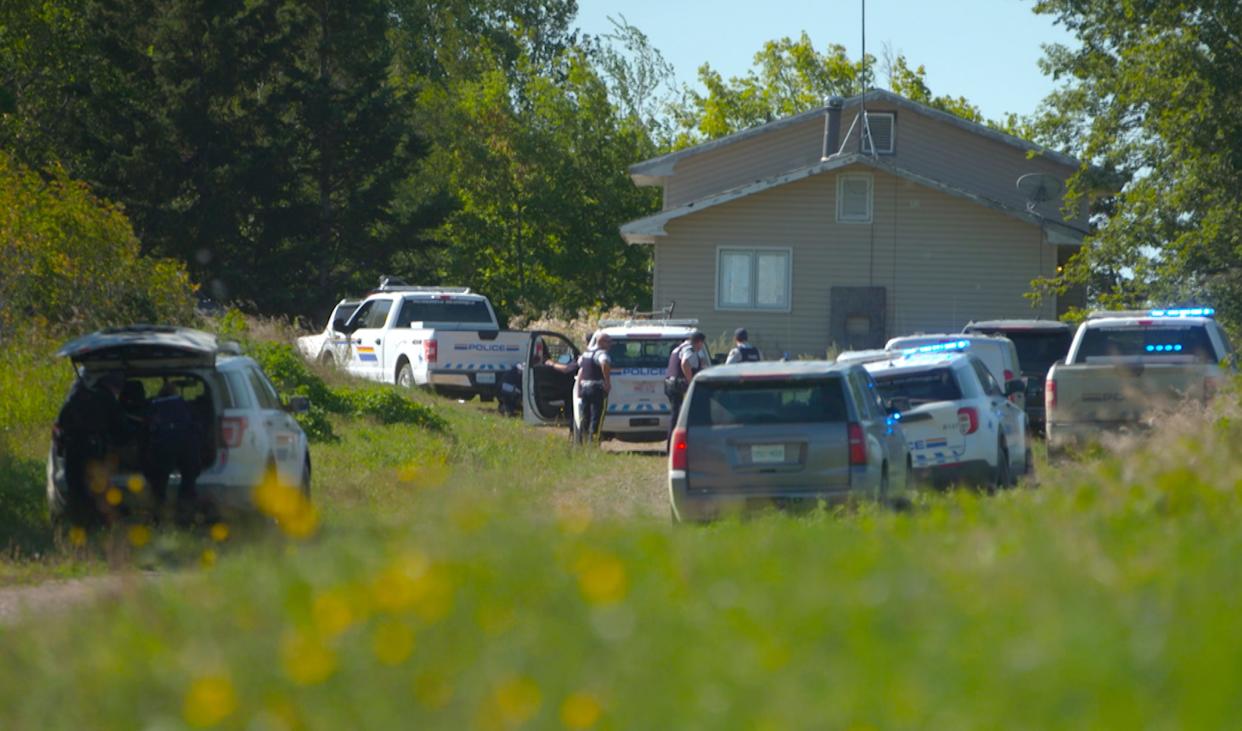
(854, 198)
(883, 133)
(752, 279)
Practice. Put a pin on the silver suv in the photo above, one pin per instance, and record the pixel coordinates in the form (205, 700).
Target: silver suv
(783, 434)
(247, 434)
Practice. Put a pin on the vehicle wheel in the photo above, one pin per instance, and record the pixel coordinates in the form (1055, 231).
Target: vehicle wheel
(486, 397)
(1001, 478)
(327, 361)
(405, 375)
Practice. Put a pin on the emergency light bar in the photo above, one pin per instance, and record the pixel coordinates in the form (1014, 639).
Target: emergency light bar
(950, 347)
(1184, 312)
(1170, 348)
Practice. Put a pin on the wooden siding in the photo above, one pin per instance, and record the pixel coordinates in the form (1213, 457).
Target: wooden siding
(943, 260)
(745, 162)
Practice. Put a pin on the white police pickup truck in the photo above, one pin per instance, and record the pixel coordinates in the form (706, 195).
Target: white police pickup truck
(443, 338)
(1125, 368)
(959, 425)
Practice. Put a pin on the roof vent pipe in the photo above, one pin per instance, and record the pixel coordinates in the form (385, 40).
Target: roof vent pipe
(832, 126)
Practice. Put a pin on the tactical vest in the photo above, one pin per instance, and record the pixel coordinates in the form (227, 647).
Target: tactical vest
(589, 367)
(748, 353)
(674, 362)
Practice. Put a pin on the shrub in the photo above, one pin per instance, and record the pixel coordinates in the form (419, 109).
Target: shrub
(390, 407)
(71, 260)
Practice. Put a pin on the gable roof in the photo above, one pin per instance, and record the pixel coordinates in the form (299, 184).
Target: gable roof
(646, 230)
(649, 172)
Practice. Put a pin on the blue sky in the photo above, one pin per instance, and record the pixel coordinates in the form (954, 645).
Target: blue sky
(985, 50)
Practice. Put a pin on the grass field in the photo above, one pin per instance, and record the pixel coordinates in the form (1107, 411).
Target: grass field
(490, 577)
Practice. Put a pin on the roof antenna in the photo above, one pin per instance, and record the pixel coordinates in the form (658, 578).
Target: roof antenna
(867, 144)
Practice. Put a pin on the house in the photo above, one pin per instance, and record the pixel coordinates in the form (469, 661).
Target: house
(812, 234)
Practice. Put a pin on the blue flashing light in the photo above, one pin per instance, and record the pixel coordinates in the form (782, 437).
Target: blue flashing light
(1184, 312)
(949, 347)
(1164, 348)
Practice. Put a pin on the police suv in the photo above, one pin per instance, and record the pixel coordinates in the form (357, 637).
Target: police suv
(959, 425)
(637, 409)
(445, 338)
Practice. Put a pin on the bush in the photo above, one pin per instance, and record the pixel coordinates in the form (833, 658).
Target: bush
(72, 261)
(390, 407)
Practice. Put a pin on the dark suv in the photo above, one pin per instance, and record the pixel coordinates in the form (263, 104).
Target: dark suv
(1040, 343)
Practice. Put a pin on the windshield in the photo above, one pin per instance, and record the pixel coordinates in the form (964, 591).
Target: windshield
(470, 311)
(642, 353)
(1146, 341)
(728, 403)
(921, 387)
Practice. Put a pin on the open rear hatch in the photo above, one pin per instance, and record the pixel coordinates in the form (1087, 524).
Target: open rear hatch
(142, 346)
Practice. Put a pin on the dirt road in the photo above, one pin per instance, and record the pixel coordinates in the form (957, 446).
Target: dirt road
(19, 602)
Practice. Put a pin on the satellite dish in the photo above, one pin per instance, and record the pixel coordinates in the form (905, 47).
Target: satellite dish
(1039, 188)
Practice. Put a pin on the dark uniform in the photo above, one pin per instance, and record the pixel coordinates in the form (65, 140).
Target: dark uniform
(675, 383)
(592, 394)
(92, 427)
(744, 353)
(173, 442)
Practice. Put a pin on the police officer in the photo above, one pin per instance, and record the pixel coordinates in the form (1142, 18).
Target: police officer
(92, 427)
(593, 384)
(173, 441)
(743, 351)
(684, 362)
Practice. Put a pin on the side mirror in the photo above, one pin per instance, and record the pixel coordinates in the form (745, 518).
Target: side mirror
(898, 404)
(298, 405)
(1014, 387)
(341, 325)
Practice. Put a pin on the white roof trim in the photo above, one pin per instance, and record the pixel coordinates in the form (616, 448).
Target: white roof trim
(646, 230)
(649, 172)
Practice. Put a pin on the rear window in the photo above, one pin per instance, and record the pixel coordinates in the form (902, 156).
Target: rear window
(726, 403)
(938, 384)
(1037, 351)
(1114, 342)
(641, 353)
(471, 311)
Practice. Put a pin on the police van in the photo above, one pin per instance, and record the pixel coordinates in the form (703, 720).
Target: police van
(637, 409)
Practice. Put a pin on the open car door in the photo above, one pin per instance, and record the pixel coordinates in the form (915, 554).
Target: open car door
(547, 392)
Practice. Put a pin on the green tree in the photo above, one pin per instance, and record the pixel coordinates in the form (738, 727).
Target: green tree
(791, 76)
(537, 164)
(1149, 97)
(72, 262)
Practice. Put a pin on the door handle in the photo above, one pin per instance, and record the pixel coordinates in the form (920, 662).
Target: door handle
(377, 341)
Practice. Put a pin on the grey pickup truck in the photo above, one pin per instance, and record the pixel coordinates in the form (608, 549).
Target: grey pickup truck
(1124, 369)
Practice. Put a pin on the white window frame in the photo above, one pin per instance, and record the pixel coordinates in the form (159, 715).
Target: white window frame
(754, 278)
(892, 138)
(841, 180)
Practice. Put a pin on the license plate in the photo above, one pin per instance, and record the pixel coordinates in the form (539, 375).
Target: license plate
(647, 388)
(767, 453)
(485, 378)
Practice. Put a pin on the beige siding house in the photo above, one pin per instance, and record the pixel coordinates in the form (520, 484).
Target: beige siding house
(813, 237)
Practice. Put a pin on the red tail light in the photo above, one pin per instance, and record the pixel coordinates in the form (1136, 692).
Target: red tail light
(968, 420)
(1050, 394)
(232, 429)
(677, 451)
(1008, 375)
(431, 351)
(858, 444)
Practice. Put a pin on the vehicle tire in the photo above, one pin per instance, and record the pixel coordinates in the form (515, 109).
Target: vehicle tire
(487, 397)
(405, 374)
(1001, 476)
(326, 360)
